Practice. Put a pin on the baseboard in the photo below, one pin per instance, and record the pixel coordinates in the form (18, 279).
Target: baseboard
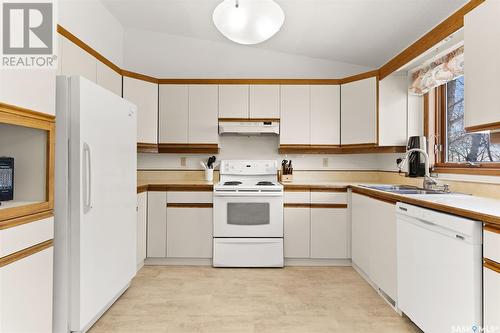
(178, 262)
(139, 266)
(317, 262)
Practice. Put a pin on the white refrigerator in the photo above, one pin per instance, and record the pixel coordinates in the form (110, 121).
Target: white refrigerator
(95, 202)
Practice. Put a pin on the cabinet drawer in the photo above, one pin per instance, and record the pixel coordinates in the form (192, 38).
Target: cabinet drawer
(491, 244)
(297, 197)
(23, 236)
(189, 197)
(491, 297)
(329, 197)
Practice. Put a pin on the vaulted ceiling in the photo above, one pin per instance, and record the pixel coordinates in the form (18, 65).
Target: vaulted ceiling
(362, 32)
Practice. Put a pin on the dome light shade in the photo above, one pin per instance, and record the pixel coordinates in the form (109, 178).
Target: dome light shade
(248, 21)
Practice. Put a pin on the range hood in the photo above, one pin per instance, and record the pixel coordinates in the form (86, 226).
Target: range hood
(249, 127)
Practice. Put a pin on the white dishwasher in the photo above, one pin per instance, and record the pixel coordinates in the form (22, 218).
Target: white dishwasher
(439, 270)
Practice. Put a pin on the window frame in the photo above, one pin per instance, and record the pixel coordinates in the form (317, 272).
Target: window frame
(440, 165)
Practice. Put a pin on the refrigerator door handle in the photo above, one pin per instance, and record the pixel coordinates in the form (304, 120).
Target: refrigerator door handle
(87, 180)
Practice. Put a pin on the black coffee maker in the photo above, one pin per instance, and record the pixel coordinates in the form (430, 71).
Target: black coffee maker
(416, 164)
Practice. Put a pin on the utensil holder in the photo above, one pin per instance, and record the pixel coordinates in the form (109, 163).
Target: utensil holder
(286, 178)
(209, 175)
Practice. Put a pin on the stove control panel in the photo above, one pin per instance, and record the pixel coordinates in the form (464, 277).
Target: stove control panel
(243, 167)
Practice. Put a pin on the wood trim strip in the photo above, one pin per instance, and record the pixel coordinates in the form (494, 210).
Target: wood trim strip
(324, 205)
(360, 76)
(436, 35)
(314, 188)
(484, 127)
(296, 188)
(373, 195)
(490, 264)
(248, 120)
(179, 188)
(297, 205)
(84, 46)
(147, 147)
(328, 189)
(25, 219)
(142, 188)
(189, 205)
(443, 168)
(16, 256)
(188, 148)
(23, 112)
(20, 211)
(138, 76)
(340, 149)
(252, 81)
(492, 228)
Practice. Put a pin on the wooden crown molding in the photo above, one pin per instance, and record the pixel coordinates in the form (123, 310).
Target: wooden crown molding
(436, 35)
(139, 76)
(490, 264)
(360, 76)
(11, 258)
(84, 46)
(147, 147)
(368, 148)
(253, 81)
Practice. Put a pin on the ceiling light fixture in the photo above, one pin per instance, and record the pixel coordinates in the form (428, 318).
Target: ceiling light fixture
(248, 21)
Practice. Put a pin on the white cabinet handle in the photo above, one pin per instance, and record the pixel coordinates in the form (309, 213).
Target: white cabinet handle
(87, 178)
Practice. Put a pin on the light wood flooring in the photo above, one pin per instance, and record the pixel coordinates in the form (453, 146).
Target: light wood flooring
(293, 299)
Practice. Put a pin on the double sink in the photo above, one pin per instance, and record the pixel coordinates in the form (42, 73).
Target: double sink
(404, 189)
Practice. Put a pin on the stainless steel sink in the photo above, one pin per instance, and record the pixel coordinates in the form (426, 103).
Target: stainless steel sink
(404, 189)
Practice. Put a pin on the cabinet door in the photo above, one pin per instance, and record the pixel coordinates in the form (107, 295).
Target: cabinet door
(265, 101)
(203, 114)
(482, 40)
(325, 115)
(361, 218)
(174, 113)
(328, 233)
(296, 232)
(393, 101)
(145, 96)
(26, 294)
(75, 61)
(189, 232)
(233, 101)
(295, 115)
(142, 213)
(359, 112)
(491, 298)
(157, 225)
(383, 253)
(109, 79)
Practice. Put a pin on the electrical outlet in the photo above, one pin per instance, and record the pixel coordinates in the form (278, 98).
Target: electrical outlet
(183, 161)
(325, 162)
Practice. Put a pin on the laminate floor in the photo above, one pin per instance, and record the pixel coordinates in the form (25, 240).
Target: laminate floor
(293, 299)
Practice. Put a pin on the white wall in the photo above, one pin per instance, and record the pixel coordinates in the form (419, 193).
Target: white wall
(91, 21)
(264, 147)
(171, 56)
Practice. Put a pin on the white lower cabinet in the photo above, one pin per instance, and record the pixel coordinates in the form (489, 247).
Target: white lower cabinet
(491, 299)
(328, 233)
(374, 241)
(26, 289)
(297, 232)
(189, 232)
(142, 214)
(157, 225)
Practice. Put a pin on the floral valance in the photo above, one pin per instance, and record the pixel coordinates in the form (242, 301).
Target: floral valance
(439, 71)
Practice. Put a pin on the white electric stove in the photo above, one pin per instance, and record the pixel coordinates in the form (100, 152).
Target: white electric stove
(248, 215)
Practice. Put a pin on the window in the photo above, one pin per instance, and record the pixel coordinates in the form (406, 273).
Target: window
(460, 146)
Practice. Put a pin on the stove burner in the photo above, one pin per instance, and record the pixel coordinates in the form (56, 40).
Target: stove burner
(232, 183)
(265, 184)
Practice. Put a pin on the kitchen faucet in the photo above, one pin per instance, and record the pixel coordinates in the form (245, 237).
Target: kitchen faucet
(429, 182)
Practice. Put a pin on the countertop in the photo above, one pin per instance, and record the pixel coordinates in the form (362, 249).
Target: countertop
(477, 208)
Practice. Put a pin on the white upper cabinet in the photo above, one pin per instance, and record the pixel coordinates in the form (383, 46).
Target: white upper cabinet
(75, 61)
(174, 113)
(482, 69)
(265, 101)
(233, 101)
(108, 78)
(359, 112)
(295, 114)
(325, 115)
(145, 96)
(393, 111)
(203, 114)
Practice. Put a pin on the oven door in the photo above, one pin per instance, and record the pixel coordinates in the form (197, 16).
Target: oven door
(248, 215)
